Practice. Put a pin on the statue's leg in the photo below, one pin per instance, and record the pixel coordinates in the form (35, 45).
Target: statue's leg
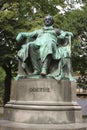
(46, 65)
(60, 68)
(35, 58)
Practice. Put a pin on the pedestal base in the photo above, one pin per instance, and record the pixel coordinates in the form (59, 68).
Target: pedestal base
(42, 104)
(8, 125)
(43, 101)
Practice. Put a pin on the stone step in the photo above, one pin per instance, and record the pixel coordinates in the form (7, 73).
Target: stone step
(9, 125)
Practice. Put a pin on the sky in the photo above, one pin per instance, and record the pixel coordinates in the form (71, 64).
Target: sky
(70, 5)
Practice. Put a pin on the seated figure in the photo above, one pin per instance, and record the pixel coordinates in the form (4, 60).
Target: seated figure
(45, 52)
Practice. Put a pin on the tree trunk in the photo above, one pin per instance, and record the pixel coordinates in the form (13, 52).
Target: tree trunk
(7, 83)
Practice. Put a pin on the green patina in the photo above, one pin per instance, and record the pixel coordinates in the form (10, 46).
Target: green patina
(45, 52)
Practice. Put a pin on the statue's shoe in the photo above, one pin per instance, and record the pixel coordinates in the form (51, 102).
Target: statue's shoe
(36, 72)
(43, 72)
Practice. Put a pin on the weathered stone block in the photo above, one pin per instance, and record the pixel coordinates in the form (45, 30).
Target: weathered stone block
(43, 101)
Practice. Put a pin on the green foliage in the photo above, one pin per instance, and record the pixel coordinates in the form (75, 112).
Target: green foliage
(82, 82)
(58, 18)
(17, 16)
(2, 75)
(76, 22)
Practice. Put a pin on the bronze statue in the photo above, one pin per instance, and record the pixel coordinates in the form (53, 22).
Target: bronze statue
(45, 52)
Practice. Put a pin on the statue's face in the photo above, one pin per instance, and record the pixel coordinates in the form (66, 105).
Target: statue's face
(48, 21)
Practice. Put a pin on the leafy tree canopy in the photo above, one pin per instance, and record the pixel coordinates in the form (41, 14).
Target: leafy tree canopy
(22, 15)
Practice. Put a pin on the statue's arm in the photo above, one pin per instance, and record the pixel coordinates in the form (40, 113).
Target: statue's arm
(24, 35)
(21, 38)
(63, 34)
(69, 33)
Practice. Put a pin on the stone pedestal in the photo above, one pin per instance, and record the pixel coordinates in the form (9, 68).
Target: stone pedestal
(42, 102)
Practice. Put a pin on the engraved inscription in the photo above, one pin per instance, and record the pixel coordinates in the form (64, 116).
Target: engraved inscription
(39, 90)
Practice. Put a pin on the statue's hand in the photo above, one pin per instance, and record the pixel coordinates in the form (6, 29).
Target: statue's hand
(20, 40)
(69, 34)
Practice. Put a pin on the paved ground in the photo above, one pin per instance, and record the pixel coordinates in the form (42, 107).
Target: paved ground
(8, 125)
(83, 103)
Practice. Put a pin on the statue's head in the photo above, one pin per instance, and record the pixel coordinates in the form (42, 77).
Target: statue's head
(48, 20)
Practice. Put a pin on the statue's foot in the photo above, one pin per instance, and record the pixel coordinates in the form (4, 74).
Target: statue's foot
(43, 72)
(36, 72)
